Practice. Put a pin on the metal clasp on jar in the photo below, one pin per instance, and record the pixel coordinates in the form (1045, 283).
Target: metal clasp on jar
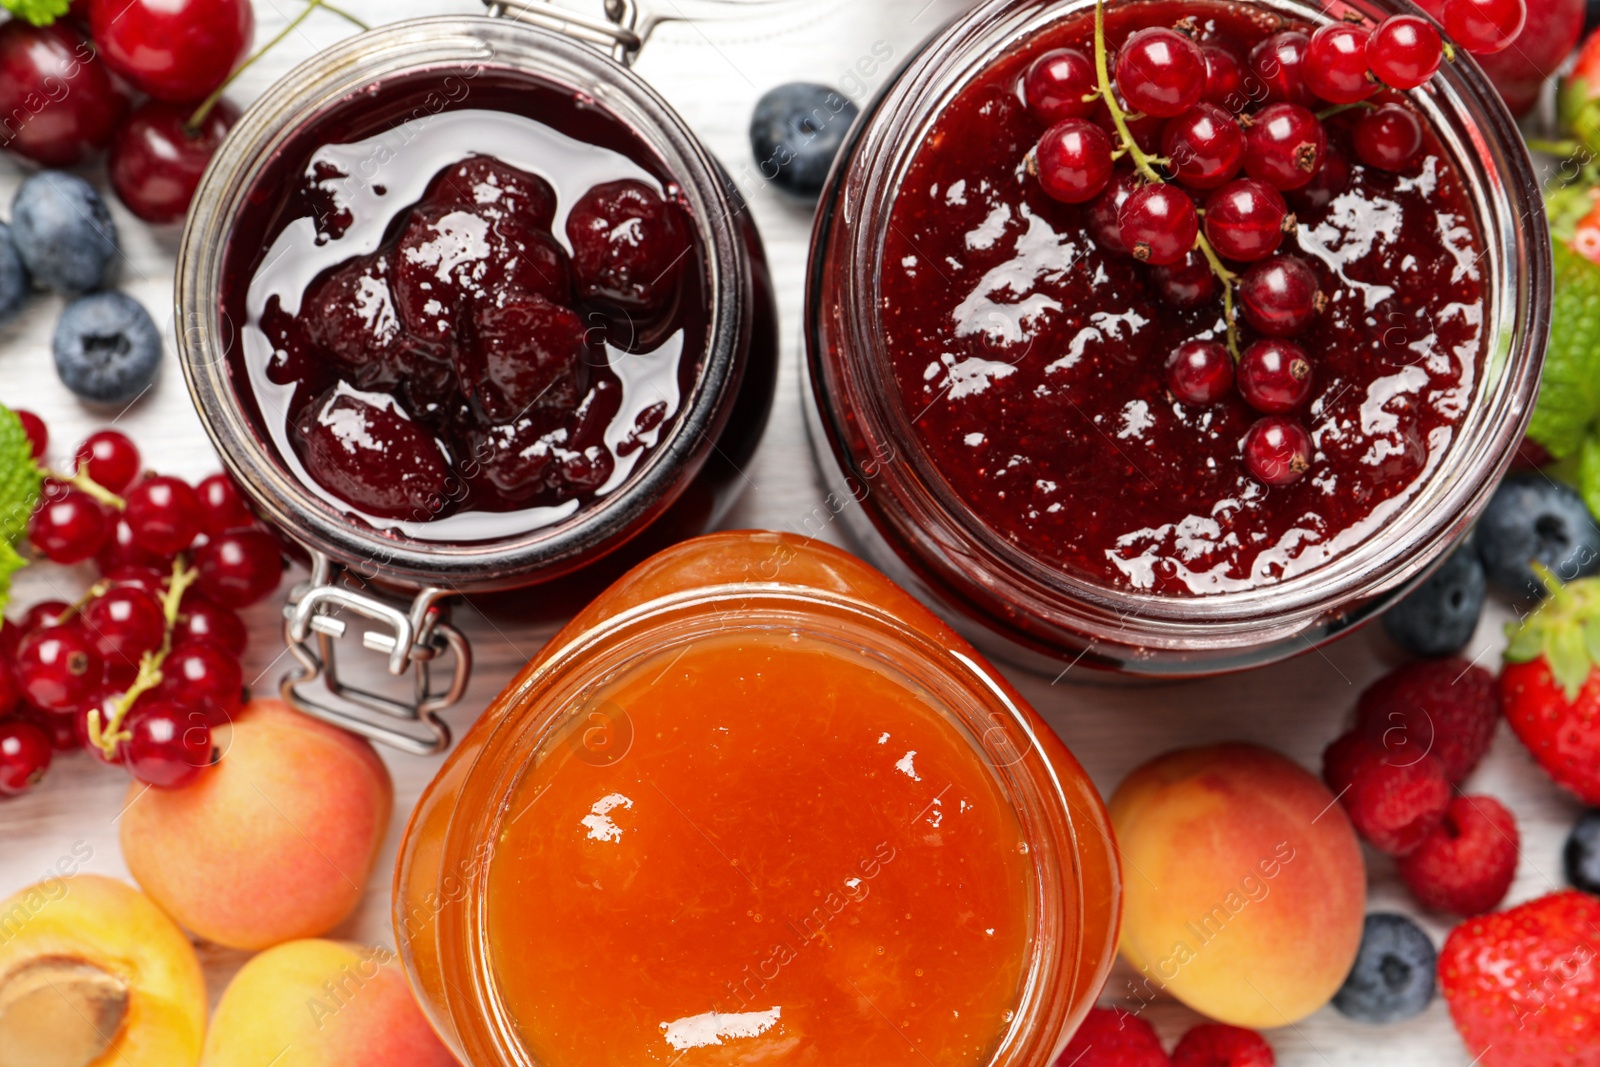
(627, 25)
(412, 638)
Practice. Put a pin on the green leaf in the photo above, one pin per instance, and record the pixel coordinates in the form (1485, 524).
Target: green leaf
(1568, 409)
(1569, 661)
(38, 12)
(1525, 646)
(20, 478)
(10, 563)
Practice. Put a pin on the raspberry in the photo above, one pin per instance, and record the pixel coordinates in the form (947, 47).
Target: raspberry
(1111, 1037)
(1466, 865)
(1394, 805)
(1447, 708)
(1216, 1045)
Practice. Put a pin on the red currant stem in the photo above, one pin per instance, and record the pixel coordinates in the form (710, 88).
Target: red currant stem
(1142, 161)
(79, 479)
(95, 592)
(108, 738)
(1339, 109)
(1449, 51)
(1228, 279)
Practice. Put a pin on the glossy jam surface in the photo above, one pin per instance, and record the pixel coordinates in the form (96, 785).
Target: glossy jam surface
(1031, 362)
(797, 861)
(468, 307)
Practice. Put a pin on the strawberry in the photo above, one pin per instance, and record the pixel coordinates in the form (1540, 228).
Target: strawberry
(1111, 1037)
(1446, 707)
(1579, 102)
(1523, 985)
(1550, 687)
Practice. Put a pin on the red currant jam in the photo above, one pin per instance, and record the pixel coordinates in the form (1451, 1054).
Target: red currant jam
(466, 315)
(1032, 359)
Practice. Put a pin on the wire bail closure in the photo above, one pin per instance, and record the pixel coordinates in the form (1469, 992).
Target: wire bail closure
(622, 32)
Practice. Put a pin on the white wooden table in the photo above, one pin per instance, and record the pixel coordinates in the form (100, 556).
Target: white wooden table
(714, 74)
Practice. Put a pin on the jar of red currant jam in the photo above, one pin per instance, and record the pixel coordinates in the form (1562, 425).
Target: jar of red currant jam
(467, 307)
(757, 805)
(1173, 340)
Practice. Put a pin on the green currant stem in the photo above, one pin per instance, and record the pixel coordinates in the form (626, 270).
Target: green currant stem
(1339, 109)
(1555, 148)
(107, 737)
(1142, 161)
(1227, 278)
(80, 480)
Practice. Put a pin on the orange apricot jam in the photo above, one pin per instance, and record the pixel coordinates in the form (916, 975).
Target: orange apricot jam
(756, 806)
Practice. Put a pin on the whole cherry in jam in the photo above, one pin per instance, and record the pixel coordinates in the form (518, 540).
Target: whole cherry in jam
(156, 160)
(1205, 146)
(1160, 72)
(1388, 137)
(373, 457)
(1073, 161)
(1061, 84)
(1200, 372)
(629, 247)
(173, 50)
(1158, 224)
(1246, 220)
(1274, 376)
(58, 95)
(1279, 295)
(350, 314)
(495, 190)
(527, 352)
(1284, 146)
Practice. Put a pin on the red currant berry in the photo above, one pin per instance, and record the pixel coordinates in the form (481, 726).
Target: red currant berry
(1331, 179)
(1484, 26)
(1159, 224)
(57, 668)
(1277, 451)
(10, 692)
(1336, 64)
(1189, 283)
(1074, 161)
(155, 162)
(1279, 62)
(34, 427)
(1160, 72)
(1279, 296)
(1404, 51)
(163, 513)
(222, 506)
(133, 576)
(110, 459)
(24, 757)
(121, 550)
(123, 624)
(60, 101)
(1388, 137)
(1105, 214)
(1205, 145)
(203, 619)
(239, 568)
(44, 613)
(10, 638)
(204, 676)
(1224, 78)
(1274, 376)
(1061, 85)
(1200, 372)
(169, 746)
(1246, 220)
(58, 728)
(1284, 146)
(69, 528)
(174, 50)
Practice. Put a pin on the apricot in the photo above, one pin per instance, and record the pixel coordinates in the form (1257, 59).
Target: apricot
(92, 974)
(272, 844)
(321, 1004)
(1244, 888)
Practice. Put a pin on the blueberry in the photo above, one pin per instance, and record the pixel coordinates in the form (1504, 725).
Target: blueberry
(796, 131)
(1531, 518)
(64, 232)
(107, 348)
(13, 276)
(1439, 617)
(1582, 853)
(1393, 976)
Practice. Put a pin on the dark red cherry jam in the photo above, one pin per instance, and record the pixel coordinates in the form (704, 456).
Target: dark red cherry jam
(466, 316)
(1032, 359)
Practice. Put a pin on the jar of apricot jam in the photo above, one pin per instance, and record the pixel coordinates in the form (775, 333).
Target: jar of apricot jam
(990, 399)
(467, 307)
(757, 805)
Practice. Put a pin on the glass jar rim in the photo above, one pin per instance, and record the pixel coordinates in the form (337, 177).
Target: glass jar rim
(445, 43)
(932, 530)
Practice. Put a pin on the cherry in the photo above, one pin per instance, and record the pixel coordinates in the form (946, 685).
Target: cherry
(44, 613)
(1159, 224)
(372, 457)
(1388, 137)
(351, 314)
(1061, 85)
(202, 619)
(110, 459)
(174, 50)
(1331, 179)
(121, 550)
(1246, 220)
(1404, 51)
(1284, 146)
(1160, 72)
(38, 433)
(629, 247)
(222, 506)
(169, 746)
(1205, 145)
(1274, 376)
(123, 624)
(1277, 451)
(1200, 372)
(1224, 78)
(1279, 62)
(24, 757)
(57, 668)
(1335, 66)
(527, 352)
(1280, 296)
(240, 568)
(1074, 161)
(60, 102)
(1188, 283)
(494, 190)
(1484, 26)
(69, 527)
(1105, 214)
(156, 162)
(163, 513)
(205, 677)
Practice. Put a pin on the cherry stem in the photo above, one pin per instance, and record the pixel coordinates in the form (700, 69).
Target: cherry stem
(106, 738)
(79, 479)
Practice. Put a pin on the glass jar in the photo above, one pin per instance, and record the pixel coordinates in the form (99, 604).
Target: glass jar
(905, 517)
(737, 590)
(684, 484)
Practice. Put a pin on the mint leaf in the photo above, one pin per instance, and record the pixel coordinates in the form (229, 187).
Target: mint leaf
(38, 12)
(1568, 409)
(10, 563)
(20, 478)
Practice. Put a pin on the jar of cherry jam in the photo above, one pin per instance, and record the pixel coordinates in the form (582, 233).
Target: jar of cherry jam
(467, 307)
(991, 364)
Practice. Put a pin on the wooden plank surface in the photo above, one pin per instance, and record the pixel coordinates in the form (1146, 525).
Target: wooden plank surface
(713, 72)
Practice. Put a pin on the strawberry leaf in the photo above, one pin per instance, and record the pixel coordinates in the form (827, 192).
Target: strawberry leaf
(1564, 630)
(38, 12)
